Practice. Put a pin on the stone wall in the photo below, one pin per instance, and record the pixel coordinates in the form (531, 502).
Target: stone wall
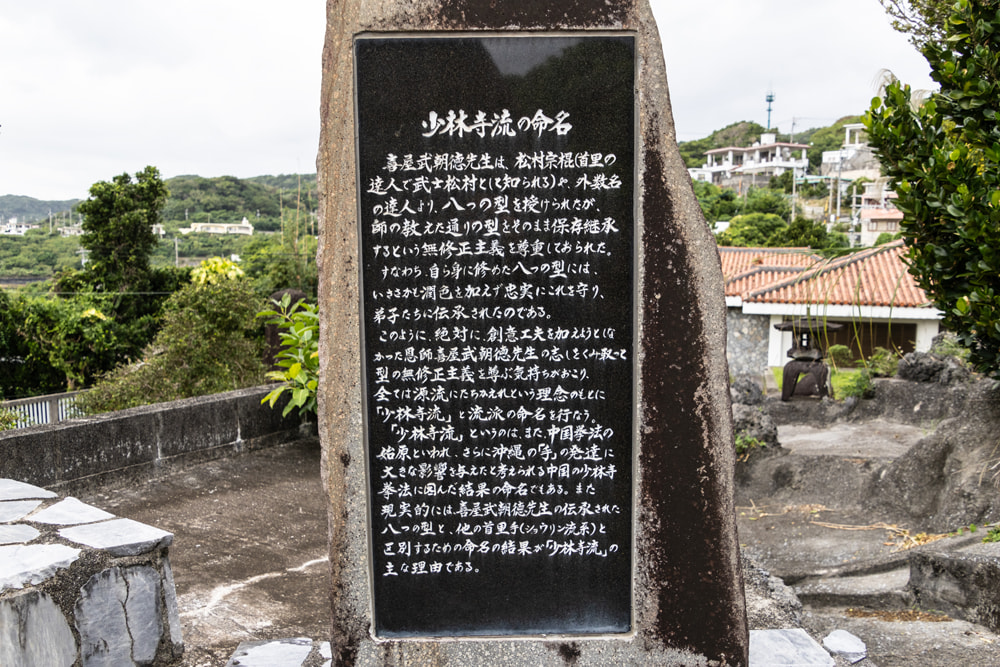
(132, 444)
(79, 586)
(746, 343)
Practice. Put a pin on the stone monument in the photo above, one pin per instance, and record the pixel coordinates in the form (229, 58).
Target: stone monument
(524, 400)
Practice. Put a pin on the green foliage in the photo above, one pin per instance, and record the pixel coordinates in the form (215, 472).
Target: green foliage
(804, 233)
(949, 346)
(298, 360)
(944, 160)
(209, 343)
(858, 384)
(887, 237)
(923, 20)
(282, 262)
(29, 209)
(841, 356)
(882, 362)
(993, 535)
(37, 254)
(118, 221)
(752, 230)
(745, 444)
(8, 419)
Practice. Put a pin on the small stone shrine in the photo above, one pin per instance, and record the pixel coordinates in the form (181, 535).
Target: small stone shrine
(524, 393)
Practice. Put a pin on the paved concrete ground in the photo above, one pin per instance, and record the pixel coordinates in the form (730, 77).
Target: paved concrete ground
(250, 560)
(249, 553)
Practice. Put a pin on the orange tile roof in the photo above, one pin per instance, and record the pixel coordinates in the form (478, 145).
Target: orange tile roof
(737, 261)
(870, 277)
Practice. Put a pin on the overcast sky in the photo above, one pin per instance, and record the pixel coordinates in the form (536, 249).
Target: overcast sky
(89, 90)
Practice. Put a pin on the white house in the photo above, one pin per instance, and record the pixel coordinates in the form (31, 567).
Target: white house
(243, 227)
(752, 166)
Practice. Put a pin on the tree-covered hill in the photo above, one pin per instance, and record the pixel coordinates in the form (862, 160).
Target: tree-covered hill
(29, 209)
(286, 202)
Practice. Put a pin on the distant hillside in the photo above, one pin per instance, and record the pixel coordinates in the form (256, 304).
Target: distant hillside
(263, 200)
(28, 209)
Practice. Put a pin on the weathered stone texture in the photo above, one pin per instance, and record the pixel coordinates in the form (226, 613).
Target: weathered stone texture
(33, 631)
(747, 343)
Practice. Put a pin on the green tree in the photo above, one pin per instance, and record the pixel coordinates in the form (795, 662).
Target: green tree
(944, 161)
(923, 20)
(752, 230)
(210, 342)
(805, 233)
(118, 220)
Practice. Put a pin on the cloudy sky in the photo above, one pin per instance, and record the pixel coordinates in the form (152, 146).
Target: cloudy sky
(214, 87)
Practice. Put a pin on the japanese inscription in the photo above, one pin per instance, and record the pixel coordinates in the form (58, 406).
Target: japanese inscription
(495, 189)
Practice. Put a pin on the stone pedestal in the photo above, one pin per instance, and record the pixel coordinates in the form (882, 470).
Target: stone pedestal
(78, 584)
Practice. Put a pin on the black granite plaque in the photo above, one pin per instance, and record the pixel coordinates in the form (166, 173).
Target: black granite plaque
(496, 211)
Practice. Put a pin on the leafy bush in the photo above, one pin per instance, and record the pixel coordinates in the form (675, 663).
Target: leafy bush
(298, 359)
(210, 342)
(858, 385)
(883, 362)
(841, 356)
(8, 419)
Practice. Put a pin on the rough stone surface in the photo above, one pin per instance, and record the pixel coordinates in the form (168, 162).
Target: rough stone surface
(686, 553)
(33, 631)
(118, 617)
(33, 563)
(746, 343)
(948, 479)
(120, 537)
(753, 422)
(928, 367)
(963, 584)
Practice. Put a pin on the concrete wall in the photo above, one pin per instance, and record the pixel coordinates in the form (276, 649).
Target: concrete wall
(77, 453)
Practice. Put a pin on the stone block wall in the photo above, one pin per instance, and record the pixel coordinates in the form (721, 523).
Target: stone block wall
(746, 343)
(81, 587)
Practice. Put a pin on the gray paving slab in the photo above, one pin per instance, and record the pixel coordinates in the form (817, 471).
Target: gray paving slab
(13, 510)
(11, 489)
(120, 537)
(277, 653)
(787, 648)
(33, 563)
(17, 533)
(70, 511)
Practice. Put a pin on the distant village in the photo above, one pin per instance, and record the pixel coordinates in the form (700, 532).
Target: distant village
(871, 212)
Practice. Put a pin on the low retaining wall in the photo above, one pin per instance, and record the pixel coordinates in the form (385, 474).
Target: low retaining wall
(131, 444)
(79, 586)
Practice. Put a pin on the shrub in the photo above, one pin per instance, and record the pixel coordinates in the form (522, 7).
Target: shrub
(8, 419)
(841, 356)
(858, 385)
(883, 362)
(210, 342)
